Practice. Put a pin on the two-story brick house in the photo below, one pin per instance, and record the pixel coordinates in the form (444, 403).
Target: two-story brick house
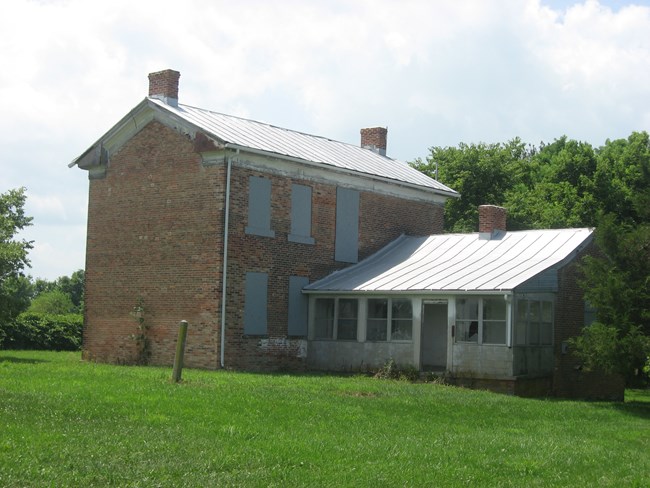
(285, 250)
(222, 221)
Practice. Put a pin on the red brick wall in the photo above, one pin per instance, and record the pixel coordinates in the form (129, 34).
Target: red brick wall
(154, 231)
(382, 219)
(568, 378)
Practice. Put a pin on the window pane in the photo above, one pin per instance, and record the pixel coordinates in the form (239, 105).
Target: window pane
(401, 330)
(494, 332)
(402, 309)
(347, 320)
(402, 320)
(546, 324)
(347, 308)
(494, 309)
(467, 309)
(378, 308)
(377, 324)
(467, 319)
(467, 330)
(377, 329)
(324, 318)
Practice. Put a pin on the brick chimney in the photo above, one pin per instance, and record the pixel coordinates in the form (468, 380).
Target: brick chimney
(374, 139)
(163, 85)
(491, 219)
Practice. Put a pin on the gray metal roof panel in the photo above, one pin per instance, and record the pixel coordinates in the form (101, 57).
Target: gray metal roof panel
(455, 262)
(284, 142)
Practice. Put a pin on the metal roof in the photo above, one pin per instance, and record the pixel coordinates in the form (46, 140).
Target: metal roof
(274, 140)
(457, 262)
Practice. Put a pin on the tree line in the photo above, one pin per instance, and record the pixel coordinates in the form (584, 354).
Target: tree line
(565, 184)
(34, 313)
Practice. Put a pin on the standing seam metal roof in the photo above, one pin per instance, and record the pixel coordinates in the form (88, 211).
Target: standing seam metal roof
(457, 262)
(284, 142)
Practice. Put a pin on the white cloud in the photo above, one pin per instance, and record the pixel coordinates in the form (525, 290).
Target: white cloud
(435, 73)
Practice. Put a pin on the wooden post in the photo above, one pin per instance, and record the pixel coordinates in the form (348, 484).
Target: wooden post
(180, 351)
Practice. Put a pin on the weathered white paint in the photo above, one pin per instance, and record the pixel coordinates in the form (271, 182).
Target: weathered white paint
(357, 356)
(481, 360)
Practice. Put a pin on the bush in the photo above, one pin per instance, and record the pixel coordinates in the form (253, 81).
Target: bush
(390, 371)
(43, 331)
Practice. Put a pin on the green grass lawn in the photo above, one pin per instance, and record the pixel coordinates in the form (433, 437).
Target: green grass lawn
(64, 422)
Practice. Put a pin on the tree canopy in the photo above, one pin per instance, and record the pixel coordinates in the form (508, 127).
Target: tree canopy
(13, 251)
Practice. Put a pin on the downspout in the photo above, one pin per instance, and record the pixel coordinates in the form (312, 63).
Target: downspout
(224, 274)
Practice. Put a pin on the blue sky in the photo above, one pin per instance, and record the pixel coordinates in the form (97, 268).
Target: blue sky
(435, 73)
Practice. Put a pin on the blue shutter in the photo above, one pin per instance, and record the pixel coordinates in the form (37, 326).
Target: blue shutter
(255, 303)
(346, 248)
(301, 214)
(259, 207)
(297, 306)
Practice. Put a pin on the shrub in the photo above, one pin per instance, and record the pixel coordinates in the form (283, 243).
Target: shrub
(390, 370)
(43, 331)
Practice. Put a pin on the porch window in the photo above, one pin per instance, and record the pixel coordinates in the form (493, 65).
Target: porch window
(336, 318)
(481, 320)
(346, 329)
(534, 322)
(494, 321)
(467, 319)
(377, 323)
(401, 320)
(384, 311)
(324, 318)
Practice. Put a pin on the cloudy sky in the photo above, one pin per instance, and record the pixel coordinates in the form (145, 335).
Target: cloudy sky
(436, 73)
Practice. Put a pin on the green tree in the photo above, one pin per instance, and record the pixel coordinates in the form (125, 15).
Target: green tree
(55, 302)
(13, 251)
(481, 173)
(74, 287)
(16, 294)
(559, 191)
(618, 282)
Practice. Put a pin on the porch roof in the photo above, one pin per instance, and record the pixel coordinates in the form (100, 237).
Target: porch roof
(457, 262)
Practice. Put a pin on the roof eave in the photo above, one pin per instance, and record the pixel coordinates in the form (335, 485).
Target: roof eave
(261, 152)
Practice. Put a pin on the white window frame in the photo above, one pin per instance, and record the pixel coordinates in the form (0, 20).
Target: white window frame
(480, 320)
(335, 324)
(389, 318)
